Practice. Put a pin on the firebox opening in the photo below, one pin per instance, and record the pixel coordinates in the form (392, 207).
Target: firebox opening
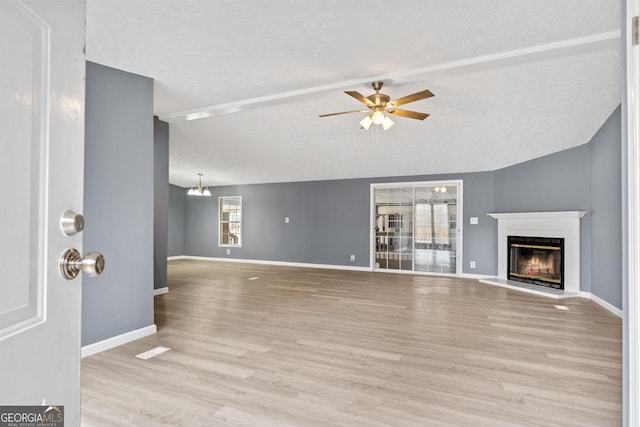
(536, 260)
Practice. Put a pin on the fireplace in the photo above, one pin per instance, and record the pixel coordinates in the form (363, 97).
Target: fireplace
(564, 226)
(536, 260)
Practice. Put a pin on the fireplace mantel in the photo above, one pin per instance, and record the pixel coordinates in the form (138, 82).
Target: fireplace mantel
(564, 224)
(538, 215)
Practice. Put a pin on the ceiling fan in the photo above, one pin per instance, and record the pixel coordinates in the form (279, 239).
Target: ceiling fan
(379, 104)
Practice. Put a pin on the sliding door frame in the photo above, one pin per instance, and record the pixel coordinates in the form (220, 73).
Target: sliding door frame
(414, 184)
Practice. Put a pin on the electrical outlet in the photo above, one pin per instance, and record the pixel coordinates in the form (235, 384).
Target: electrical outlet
(228, 251)
(474, 220)
(286, 220)
(353, 258)
(472, 264)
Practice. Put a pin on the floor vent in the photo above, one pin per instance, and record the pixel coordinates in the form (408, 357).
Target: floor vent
(152, 353)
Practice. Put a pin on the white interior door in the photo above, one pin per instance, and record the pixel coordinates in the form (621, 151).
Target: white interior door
(41, 176)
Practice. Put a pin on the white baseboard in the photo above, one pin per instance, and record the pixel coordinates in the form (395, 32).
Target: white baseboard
(278, 263)
(171, 258)
(160, 291)
(118, 340)
(612, 308)
(474, 276)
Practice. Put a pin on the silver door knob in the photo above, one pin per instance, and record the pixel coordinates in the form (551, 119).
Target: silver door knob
(71, 223)
(71, 264)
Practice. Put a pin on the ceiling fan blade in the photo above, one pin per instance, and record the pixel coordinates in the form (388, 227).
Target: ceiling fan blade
(413, 97)
(360, 97)
(409, 114)
(344, 112)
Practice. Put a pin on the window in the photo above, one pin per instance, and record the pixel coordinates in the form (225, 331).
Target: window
(432, 223)
(230, 221)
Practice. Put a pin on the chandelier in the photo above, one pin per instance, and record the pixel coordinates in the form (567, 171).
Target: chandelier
(199, 190)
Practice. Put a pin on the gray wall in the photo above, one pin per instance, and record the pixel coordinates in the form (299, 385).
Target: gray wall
(160, 201)
(118, 200)
(480, 242)
(557, 182)
(330, 219)
(176, 221)
(606, 211)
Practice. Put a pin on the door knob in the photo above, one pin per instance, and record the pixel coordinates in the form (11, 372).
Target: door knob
(71, 223)
(71, 263)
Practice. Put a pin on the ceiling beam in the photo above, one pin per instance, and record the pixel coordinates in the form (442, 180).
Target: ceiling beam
(236, 106)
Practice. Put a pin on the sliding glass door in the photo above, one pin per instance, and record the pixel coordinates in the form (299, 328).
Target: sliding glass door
(416, 226)
(436, 216)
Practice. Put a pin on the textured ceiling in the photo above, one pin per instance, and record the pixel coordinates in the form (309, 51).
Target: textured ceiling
(513, 80)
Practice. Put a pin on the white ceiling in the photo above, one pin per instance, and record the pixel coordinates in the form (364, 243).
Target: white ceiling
(513, 80)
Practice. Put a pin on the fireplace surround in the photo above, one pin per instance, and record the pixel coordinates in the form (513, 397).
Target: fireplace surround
(551, 225)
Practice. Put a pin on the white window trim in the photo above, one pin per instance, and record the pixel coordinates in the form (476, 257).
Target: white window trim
(222, 245)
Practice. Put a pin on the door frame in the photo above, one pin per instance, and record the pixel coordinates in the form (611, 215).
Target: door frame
(459, 225)
(631, 220)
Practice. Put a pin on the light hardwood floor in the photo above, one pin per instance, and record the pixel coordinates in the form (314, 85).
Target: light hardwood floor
(256, 345)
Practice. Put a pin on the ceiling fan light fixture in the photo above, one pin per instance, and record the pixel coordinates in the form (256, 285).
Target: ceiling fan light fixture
(380, 103)
(377, 117)
(366, 123)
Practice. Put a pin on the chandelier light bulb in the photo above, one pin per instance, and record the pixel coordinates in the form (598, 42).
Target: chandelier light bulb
(199, 190)
(377, 117)
(366, 122)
